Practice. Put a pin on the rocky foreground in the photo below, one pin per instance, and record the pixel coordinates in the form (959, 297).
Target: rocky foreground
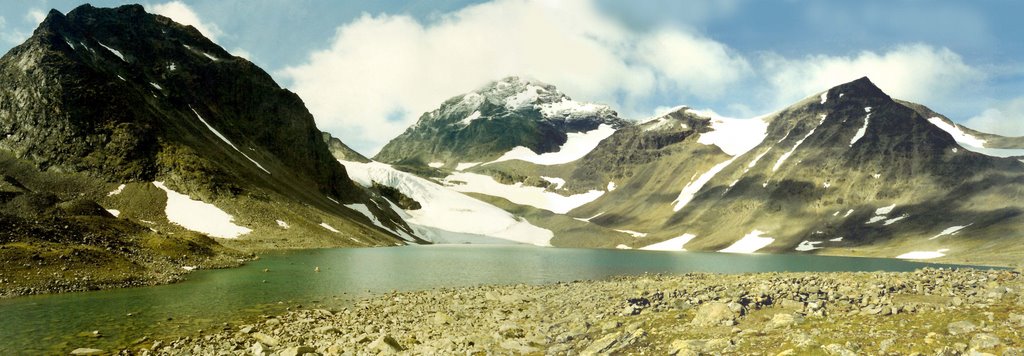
(928, 312)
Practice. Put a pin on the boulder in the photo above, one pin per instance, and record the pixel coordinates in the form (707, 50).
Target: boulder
(602, 345)
(984, 341)
(960, 327)
(781, 321)
(266, 339)
(297, 350)
(386, 344)
(713, 314)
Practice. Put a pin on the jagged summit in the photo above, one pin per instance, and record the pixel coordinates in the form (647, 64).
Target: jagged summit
(859, 88)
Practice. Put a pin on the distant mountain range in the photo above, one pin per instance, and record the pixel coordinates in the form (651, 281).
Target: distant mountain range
(849, 171)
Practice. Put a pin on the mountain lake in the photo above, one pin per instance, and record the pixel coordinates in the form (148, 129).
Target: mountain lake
(216, 299)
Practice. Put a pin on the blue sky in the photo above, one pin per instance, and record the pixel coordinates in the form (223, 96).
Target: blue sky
(367, 69)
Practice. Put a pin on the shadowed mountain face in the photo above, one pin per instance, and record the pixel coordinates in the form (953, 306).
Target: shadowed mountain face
(118, 95)
(482, 125)
(132, 96)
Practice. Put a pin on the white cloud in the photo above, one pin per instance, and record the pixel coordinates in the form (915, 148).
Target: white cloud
(381, 72)
(694, 65)
(183, 14)
(35, 16)
(1006, 119)
(916, 72)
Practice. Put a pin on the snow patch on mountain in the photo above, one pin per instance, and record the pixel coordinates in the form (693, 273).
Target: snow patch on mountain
(518, 193)
(328, 227)
(283, 224)
(861, 131)
(785, 156)
(362, 209)
(117, 191)
(636, 234)
(114, 51)
(824, 97)
(435, 164)
(734, 136)
(973, 143)
(958, 135)
(465, 165)
(894, 220)
(470, 118)
(447, 216)
(573, 109)
(885, 209)
(750, 243)
(199, 216)
(525, 98)
(673, 244)
(952, 230)
(590, 218)
(225, 139)
(876, 218)
(691, 189)
(808, 246)
(662, 124)
(577, 145)
(558, 182)
(923, 255)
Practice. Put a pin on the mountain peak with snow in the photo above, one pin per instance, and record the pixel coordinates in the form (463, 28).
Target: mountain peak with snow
(485, 124)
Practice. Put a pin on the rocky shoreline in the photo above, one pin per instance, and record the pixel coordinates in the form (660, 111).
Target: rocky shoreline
(59, 277)
(927, 312)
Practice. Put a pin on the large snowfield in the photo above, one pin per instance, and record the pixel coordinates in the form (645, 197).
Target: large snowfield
(447, 216)
(577, 145)
(518, 193)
